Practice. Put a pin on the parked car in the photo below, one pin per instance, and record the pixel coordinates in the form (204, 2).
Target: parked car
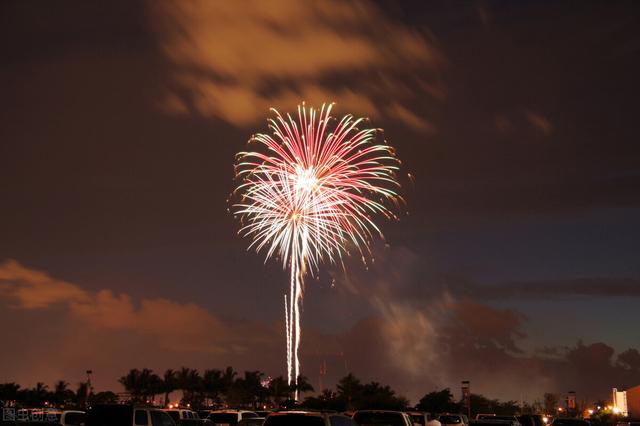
(230, 417)
(531, 420)
(382, 417)
(563, 421)
(420, 417)
(307, 418)
(125, 415)
(251, 421)
(203, 414)
(72, 418)
(496, 421)
(488, 418)
(184, 417)
(496, 417)
(448, 419)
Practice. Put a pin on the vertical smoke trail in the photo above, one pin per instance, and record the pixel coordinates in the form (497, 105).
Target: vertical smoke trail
(288, 331)
(298, 301)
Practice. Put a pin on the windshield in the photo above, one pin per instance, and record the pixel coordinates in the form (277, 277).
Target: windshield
(417, 418)
(110, 415)
(294, 420)
(388, 419)
(74, 418)
(570, 422)
(224, 418)
(175, 415)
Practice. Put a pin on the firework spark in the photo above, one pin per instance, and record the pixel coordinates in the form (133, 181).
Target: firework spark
(310, 192)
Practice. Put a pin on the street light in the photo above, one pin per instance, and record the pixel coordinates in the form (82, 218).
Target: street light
(86, 400)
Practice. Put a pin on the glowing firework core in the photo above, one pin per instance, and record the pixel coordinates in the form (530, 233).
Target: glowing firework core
(305, 179)
(309, 194)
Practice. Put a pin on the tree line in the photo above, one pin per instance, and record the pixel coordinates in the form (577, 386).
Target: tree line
(211, 388)
(60, 396)
(252, 389)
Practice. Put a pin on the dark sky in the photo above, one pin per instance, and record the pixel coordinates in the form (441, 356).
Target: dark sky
(518, 262)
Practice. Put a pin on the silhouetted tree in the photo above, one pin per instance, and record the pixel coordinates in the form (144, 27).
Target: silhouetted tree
(212, 385)
(279, 390)
(190, 382)
(9, 391)
(302, 385)
(228, 378)
(374, 395)
(169, 384)
(481, 404)
(106, 397)
(62, 395)
(248, 390)
(438, 402)
(327, 400)
(349, 387)
(142, 384)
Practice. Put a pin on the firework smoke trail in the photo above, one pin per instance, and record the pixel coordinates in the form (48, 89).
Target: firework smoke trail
(309, 192)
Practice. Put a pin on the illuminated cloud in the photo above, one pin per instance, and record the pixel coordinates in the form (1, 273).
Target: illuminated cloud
(413, 346)
(235, 60)
(173, 325)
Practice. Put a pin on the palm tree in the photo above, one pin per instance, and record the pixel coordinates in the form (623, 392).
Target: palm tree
(131, 383)
(227, 380)
(302, 385)
(152, 384)
(349, 388)
(279, 390)
(189, 381)
(170, 384)
(247, 391)
(61, 392)
(40, 393)
(9, 391)
(212, 385)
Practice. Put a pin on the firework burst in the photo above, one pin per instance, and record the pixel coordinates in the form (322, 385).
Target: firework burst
(310, 191)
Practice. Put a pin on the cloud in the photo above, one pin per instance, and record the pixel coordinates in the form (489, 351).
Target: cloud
(176, 326)
(234, 61)
(557, 289)
(31, 289)
(433, 331)
(412, 345)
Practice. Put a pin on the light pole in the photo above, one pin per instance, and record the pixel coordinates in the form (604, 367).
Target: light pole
(86, 400)
(466, 396)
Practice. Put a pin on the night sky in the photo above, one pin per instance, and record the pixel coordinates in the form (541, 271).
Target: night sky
(517, 266)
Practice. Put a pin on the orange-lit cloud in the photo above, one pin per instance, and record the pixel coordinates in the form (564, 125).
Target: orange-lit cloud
(173, 325)
(412, 346)
(235, 60)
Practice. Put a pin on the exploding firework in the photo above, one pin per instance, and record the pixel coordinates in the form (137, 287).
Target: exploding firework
(309, 192)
